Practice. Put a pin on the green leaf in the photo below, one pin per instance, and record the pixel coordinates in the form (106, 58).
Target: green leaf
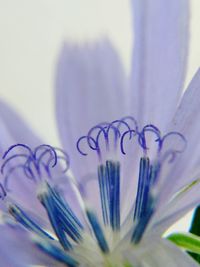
(187, 241)
(195, 229)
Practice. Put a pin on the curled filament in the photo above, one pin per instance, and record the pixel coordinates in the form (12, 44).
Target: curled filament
(34, 163)
(124, 130)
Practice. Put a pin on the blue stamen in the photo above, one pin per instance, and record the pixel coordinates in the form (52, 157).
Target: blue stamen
(17, 146)
(93, 137)
(143, 189)
(113, 170)
(26, 171)
(21, 217)
(61, 216)
(48, 203)
(131, 133)
(109, 184)
(55, 252)
(104, 193)
(154, 172)
(47, 149)
(69, 230)
(97, 231)
(43, 157)
(68, 219)
(142, 224)
(2, 192)
(144, 207)
(177, 134)
(142, 138)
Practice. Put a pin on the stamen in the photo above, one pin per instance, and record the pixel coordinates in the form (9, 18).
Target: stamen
(131, 133)
(97, 231)
(68, 219)
(104, 193)
(43, 157)
(61, 216)
(144, 207)
(55, 222)
(55, 252)
(171, 154)
(27, 172)
(154, 172)
(93, 137)
(142, 137)
(142, 224)
(132, 119)
(142, 189)
(21, 217)
(109, 184)
(2, 192)
(47, 150)
(113, 170)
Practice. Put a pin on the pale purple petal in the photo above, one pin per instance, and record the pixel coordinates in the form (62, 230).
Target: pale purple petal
(18, 130)
(14, 130)
(175, 210)
(17, 250)
(178, 175)
(90, 89)
(186, 121)
(159, 58)
(22, 190)
(164, 253)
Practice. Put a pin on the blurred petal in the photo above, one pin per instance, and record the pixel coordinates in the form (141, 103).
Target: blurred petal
(159, 58)
(16, 249)
(164, 253)
(185, 121)
(90, 89)
(14, 130)
(17, 129)
(175, 210)
(178, 175)
(22, 190)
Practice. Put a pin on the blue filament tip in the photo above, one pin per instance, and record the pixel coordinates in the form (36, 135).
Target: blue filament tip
(105, 131)
(32, 161)
(124, 129)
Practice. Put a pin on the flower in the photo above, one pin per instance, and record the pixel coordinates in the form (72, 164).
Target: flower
(134, 175)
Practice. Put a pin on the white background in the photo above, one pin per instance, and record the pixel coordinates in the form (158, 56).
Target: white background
(31, 34)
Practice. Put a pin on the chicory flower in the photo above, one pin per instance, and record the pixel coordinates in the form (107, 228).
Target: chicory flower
(131, 147)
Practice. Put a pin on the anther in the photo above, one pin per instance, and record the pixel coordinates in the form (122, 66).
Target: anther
(98, 232)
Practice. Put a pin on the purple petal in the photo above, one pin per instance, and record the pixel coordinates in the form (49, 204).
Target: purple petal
(18, 130)
(159, 58)
(185, 121)
(176, 209)
(14, 130)
(163, 253)
(90, 89)
(22, 190)
(17, 250)
(179, 175)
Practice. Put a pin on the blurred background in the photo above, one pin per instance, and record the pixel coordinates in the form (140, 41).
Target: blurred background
(31, 34)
